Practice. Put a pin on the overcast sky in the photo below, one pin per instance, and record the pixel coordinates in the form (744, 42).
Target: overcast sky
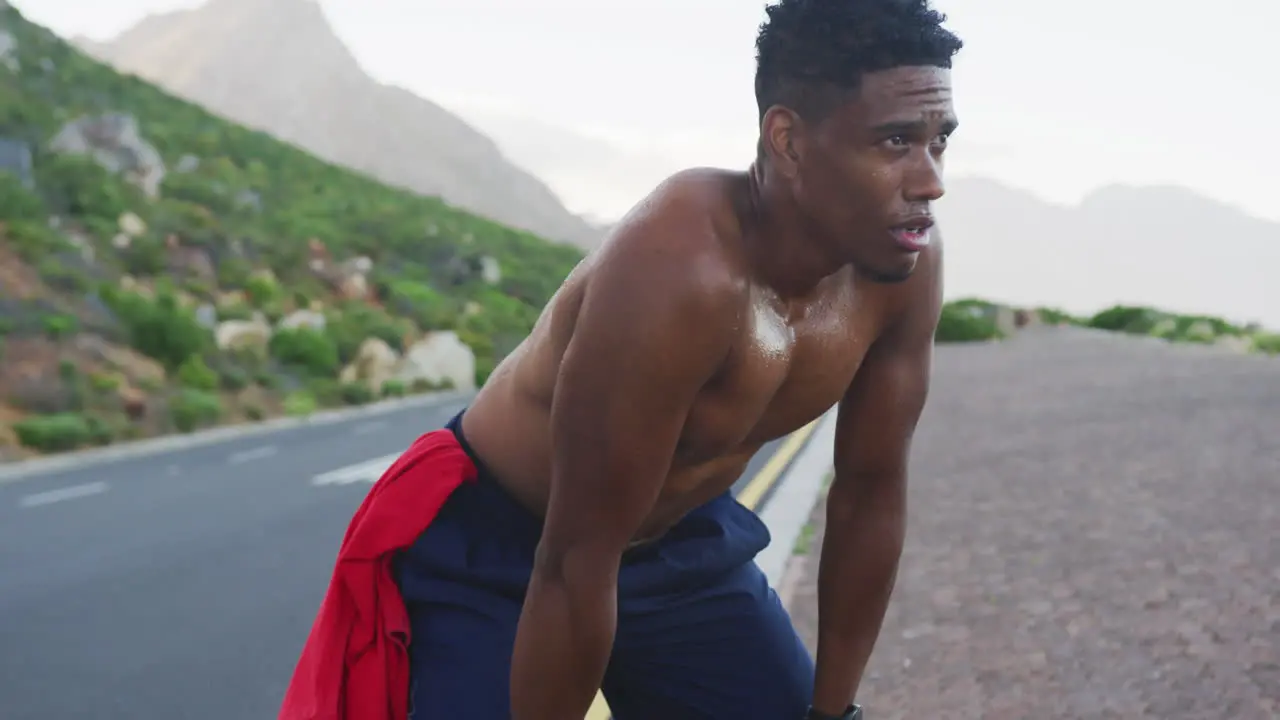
(1057, 98)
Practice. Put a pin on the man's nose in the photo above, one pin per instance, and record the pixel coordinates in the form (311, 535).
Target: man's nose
(924, 181)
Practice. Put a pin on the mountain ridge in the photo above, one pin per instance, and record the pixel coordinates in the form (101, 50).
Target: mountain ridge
(279, 66)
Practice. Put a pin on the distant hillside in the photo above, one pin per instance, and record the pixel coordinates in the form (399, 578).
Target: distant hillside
(163, 269)
(1162, 246)
(1159, 246)
(278, 66)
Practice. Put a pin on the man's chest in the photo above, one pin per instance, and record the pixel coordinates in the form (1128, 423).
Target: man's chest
(788, 369)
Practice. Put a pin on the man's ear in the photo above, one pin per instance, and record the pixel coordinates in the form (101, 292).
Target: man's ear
(781, 139)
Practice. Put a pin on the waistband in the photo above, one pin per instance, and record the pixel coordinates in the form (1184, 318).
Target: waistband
(455, 426)
(486, 477)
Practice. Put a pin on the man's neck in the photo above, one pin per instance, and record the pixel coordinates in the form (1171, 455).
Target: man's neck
(785, 255)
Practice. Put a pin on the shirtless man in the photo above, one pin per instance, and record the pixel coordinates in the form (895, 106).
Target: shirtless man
(600, 549)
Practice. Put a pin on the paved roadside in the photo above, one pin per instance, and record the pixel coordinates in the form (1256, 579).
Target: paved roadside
(1092, 534)
(183, 583)
(245, 433)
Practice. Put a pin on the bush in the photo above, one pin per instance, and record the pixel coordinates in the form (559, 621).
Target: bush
(1267, 343)
(160, 329)
(393, 388)
(357, 393)
(307, 349)
(196, 375)
(965, 323)
(1127, 319)
(34, 240)
(192, 409)
(54, 433)
(57, 327)
(300, 403)
(17, 202)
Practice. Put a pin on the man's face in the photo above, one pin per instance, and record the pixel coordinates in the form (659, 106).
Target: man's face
(867, 174)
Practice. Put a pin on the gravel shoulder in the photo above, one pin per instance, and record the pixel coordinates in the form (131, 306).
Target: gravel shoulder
(1094, 533)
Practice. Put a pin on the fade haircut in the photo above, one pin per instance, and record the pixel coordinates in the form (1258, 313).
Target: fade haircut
(811, 54)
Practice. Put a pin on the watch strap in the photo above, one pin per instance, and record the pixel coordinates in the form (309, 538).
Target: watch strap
(853, 712)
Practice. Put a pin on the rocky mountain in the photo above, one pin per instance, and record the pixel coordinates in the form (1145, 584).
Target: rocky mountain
(278, 66)
(163, 269)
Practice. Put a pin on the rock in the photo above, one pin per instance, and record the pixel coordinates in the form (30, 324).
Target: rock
(243, 335)
(439, 357)
(1200, 332)
(1164, 328)
(134, 402)
(83, 244)
(9, 49)
(490, 271)
(113, 140)
(135, 366)
(374, 364)
(1006, 321)
(190, 261)
(303, 319)
(1235, 343)
(15, 158)
(248, 199)
(187, 163)
(207, 315)
(121, 241)
(132, 225)
(354, 287)
(360, 264)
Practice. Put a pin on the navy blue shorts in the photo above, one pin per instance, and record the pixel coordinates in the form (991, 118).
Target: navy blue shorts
(700, 633)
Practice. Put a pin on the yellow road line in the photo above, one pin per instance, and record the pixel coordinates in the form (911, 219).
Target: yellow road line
(750, 496)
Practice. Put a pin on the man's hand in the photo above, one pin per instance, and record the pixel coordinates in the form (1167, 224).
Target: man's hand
(655, 325)
(866, 506)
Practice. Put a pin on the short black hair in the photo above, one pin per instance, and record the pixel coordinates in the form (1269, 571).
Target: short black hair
(811, 53)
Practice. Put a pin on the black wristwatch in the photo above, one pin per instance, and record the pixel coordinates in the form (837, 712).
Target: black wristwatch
(853, 712)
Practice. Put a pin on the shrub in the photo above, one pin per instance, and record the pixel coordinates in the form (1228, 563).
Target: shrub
(965, 323)
(300, 403)
(54, 433)
(307, 349)
(356, 393)
(1127, 319)
(160, 328)
(192, 409)
(196, 375)
(1267, 343)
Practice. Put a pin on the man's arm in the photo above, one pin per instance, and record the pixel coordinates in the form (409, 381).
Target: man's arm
(866, 506)
(655, 325)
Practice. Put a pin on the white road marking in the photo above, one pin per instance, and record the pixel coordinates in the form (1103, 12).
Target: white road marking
(259, 453)
(369, 427)
(66, 493)
(368, 471)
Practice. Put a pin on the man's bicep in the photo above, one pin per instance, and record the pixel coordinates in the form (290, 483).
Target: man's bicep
(877, 417)
(879, 412)
(644, 344)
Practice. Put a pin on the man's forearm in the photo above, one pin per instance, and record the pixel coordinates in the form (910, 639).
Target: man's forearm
(562, 646)
(860, 550)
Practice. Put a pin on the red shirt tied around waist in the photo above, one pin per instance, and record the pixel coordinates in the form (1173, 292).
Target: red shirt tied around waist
(355, 664)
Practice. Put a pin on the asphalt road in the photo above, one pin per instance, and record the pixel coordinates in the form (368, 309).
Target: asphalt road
(182, 585)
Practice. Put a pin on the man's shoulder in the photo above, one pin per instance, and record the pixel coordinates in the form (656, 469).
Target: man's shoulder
(683, 238)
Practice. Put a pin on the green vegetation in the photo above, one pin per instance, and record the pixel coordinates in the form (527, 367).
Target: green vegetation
(237, 223)
(975, 320)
